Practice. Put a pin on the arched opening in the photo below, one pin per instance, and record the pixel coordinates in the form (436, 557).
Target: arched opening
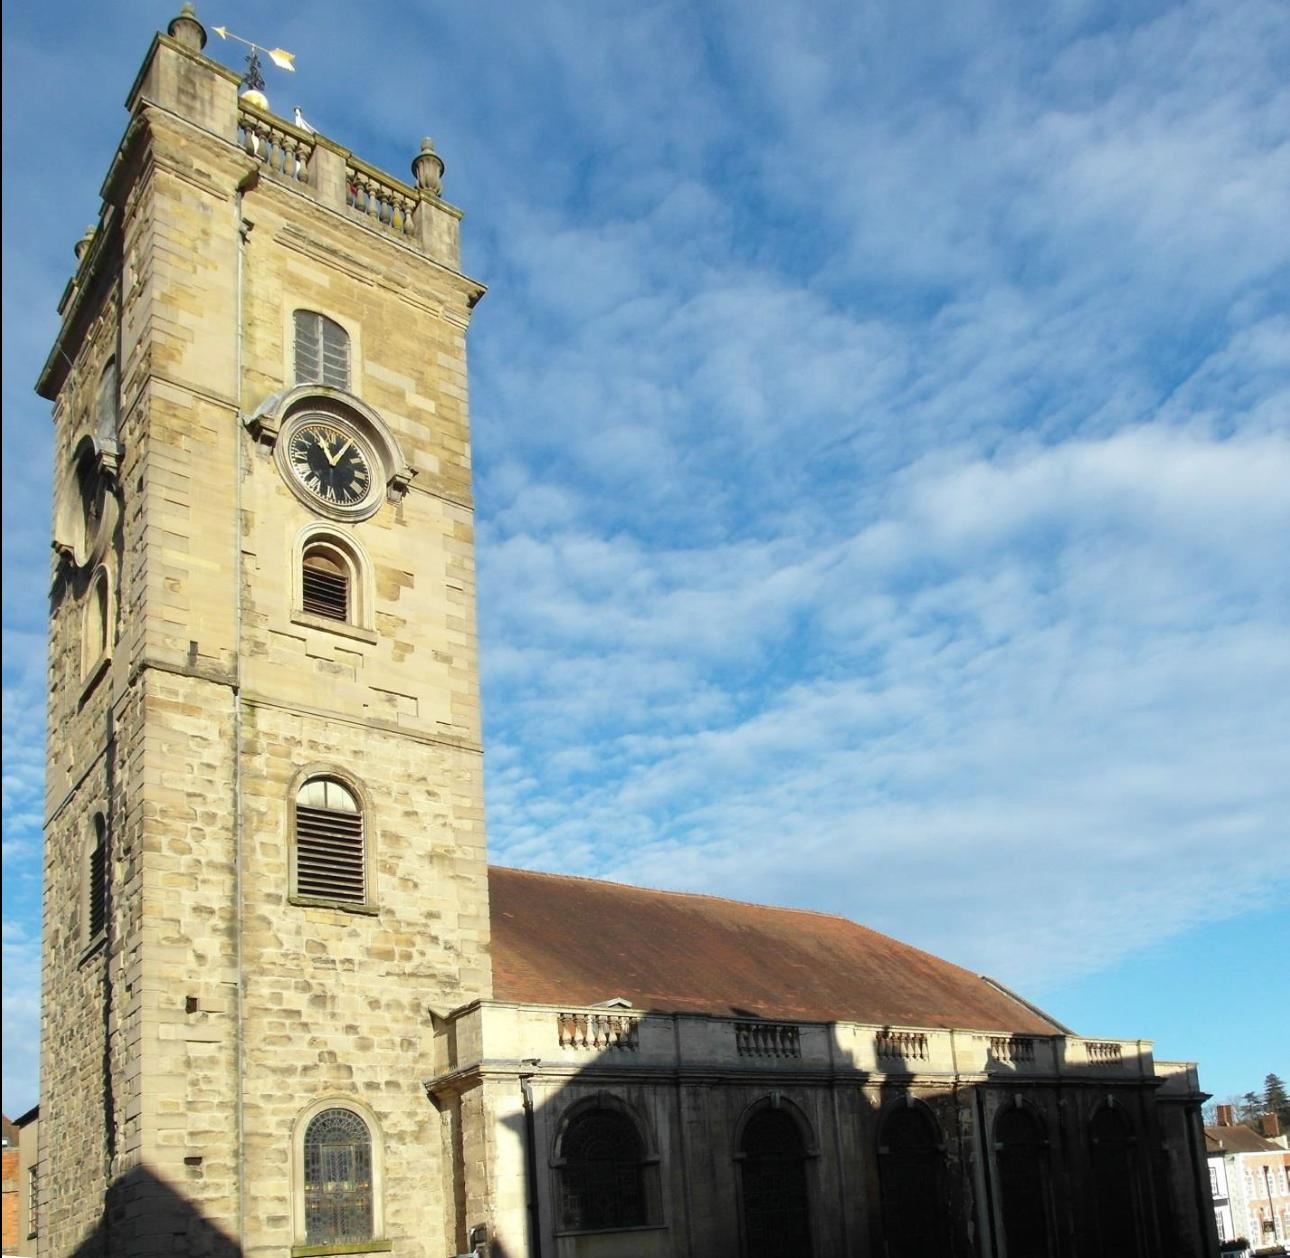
(1021, 1153)
(326, 582)
(915, 1187)
(338, 1181)
(602, 1172)
(329, 853)
(96, 628)
(106, 403)
(322, 350)
(1113, 1155)
(776, 1202)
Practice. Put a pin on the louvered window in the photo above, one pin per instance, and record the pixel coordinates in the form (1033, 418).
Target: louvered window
(324, 582)
(322, 350)
(330, 859)
(105, 404)
(96, 914)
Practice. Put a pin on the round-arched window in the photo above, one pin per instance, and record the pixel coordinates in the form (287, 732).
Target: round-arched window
(330, 856)
(337, 1178)
(915, 1186)
(602, 1182)
(773, 1179)
(1022, 1154)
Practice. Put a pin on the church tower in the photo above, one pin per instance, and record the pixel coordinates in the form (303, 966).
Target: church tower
(265, 871)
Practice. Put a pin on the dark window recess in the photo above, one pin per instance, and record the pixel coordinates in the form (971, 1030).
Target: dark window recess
(915, 1186)
(1113, 1154)
(324, 588)
(322, 350)
(338, 1179)
(776, 1214)
(1022, 1154)
(98, 880)
(330, 861)
(602, 1180)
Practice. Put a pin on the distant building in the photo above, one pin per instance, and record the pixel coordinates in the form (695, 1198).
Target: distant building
(1253, 1173)
(21, 1184)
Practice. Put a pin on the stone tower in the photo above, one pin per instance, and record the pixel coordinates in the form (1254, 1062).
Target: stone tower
(265, 864)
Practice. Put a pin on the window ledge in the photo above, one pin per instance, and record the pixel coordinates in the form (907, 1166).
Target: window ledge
(348, 1247)
(327, 625)
(321, 902)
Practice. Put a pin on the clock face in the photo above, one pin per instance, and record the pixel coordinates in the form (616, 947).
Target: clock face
(331, 463)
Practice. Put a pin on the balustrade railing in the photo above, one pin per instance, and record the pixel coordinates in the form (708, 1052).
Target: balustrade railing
(598, 1030)
(1012, 1049)
(1103, 1051)
(379, 202)
(767, 1039)
(283, 150)
(900, 1045)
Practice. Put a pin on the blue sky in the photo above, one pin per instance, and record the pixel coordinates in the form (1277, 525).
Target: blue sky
(882, 430)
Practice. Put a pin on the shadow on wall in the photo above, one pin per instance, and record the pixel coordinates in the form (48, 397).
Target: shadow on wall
(144, 1214)
(765, 1157)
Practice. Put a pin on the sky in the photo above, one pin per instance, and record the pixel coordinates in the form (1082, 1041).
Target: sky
(882, 451)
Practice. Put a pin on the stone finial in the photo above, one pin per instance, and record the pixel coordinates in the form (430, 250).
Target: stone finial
(186, 29)
(427, 168)
(86, 240)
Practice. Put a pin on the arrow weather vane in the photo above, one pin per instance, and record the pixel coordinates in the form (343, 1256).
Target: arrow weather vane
(254, 78)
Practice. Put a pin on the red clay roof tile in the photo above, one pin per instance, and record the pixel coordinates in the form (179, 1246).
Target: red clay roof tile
(579, 941)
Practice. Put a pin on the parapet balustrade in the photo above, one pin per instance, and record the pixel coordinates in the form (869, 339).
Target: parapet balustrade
(1104, 1052)
(283, 149)
(767, 1039)
(900, 1045)
(1015, 1050)
(598, 1030)
(379, 201)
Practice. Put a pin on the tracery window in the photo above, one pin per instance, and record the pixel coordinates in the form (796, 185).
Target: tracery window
(602, 1180)
(773, 1179)
(330, 858)
(338, 1185)
(322, 350)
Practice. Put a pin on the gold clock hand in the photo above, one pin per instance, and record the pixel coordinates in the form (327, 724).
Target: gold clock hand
(349, 441)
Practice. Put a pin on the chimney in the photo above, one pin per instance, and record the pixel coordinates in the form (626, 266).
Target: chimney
(1270, 1125)
(1224, 1115)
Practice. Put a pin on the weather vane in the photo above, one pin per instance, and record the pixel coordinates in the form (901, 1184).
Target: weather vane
(253, 79)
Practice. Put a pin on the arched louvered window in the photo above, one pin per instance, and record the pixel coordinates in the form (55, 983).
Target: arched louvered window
(1022, 1155)
(322, 350)
(776, 1212)
(326, 583)
(602, 1181)
(106, 403)
(1113, 1154)
(330, 852)
(338, 1182)
(915, 1185)
(96, 881)
(97, 624)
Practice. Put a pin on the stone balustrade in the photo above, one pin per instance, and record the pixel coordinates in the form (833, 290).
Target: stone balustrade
(285, 150)
(889, 1045)
(379, 200)
(1104, 1052)
(1013, 1050)
(598, 1031)
(767, 1039)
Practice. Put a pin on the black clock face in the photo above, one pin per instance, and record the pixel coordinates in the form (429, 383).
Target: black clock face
(330, 463)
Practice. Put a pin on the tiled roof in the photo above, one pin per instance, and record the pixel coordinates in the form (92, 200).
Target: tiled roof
(578, 941)
(1241, 1139)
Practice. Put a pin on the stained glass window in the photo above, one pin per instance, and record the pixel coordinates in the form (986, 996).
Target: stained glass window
(338, 1178)
(602, 1180)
